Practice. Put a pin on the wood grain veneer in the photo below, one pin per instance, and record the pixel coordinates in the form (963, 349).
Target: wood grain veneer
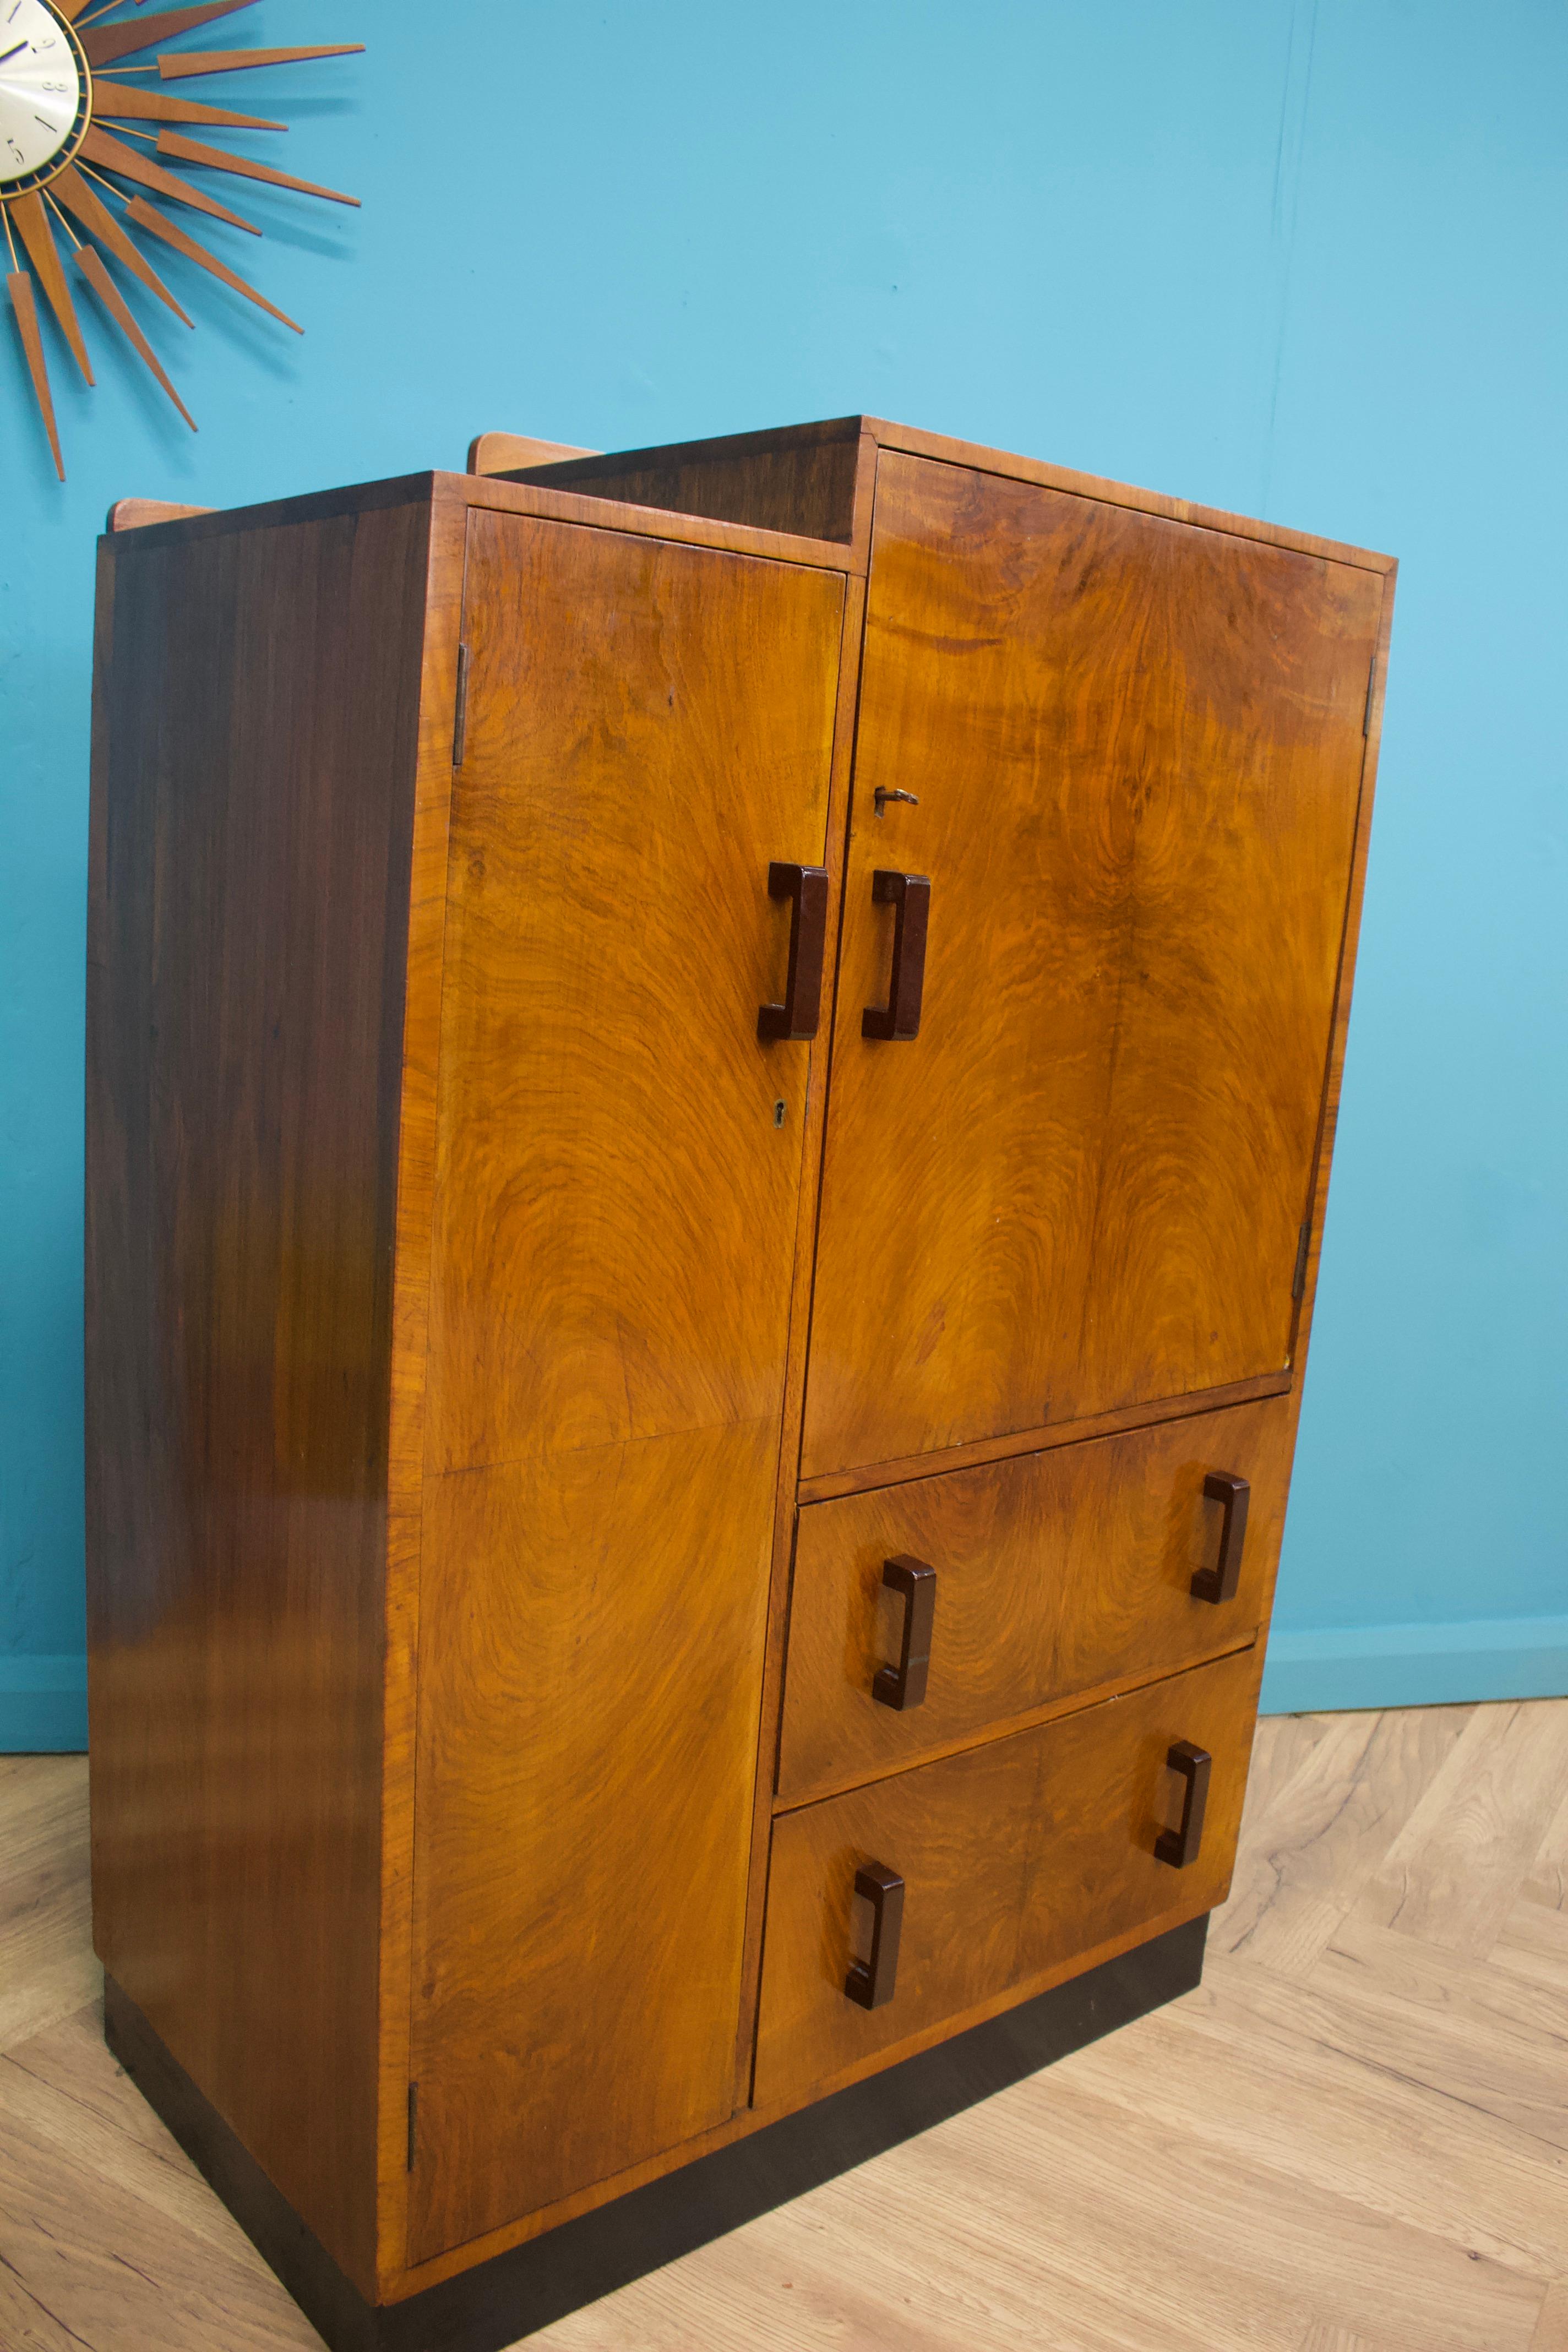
(253, 776)
(1138, 755)
(794, 1371)
(803, 478)
(619, 1156)
(502, 453)
(508, 1374)
(1056, 1573)
(700, 468)
(1014, 1854)
(869, 1476)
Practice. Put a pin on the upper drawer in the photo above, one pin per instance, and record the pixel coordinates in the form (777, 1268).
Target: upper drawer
(1056, 1573)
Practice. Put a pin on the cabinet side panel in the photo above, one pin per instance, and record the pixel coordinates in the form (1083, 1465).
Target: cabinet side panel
(253, 786)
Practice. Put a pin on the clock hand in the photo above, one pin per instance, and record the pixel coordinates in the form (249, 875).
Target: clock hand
(13, 53)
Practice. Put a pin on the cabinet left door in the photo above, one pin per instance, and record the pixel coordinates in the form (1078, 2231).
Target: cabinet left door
(649, 727)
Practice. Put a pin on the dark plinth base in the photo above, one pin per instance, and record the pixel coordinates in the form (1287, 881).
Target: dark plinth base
(511, 2295)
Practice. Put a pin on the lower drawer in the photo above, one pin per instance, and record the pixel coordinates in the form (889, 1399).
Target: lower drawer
(1014, 1859)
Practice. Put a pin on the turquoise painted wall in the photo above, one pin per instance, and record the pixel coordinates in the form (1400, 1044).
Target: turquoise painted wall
(1301, 258)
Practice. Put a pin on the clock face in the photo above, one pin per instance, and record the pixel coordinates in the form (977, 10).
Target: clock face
(46, 94)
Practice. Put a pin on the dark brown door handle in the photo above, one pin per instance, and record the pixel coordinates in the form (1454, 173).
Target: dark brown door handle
(905, 1684)
(801, 1010)
(910, 893)
(871, 1982)
(1219, 1582)
(1180, 1847)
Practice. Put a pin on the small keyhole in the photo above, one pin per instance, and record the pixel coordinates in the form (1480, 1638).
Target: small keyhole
(778, 1114)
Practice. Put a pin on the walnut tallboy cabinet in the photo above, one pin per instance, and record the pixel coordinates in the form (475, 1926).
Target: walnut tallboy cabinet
(711, 1075)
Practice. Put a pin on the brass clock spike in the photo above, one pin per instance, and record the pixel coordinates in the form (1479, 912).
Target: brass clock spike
(107, 42)
(72, 189)
(191, 151)
(146, 217)
(114, 156)
(19, 285)
(33, 227)
(123, 102)
(114, 303)
(186, 63)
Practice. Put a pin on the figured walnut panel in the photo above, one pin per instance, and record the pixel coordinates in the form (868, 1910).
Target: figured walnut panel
(591, 1646)
(1138, 748)
(1057, 1573)
(647, 726)
(802, 479)
(1015, 1856)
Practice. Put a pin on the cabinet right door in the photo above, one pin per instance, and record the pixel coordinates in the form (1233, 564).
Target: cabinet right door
(1135, 747)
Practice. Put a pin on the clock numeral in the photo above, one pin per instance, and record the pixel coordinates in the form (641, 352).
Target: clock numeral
(48, 42)
(17, 154)
(54, 84)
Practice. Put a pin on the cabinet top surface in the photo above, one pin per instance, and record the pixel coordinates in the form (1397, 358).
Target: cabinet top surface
(947, 448)
(456, 492)
(538, 494)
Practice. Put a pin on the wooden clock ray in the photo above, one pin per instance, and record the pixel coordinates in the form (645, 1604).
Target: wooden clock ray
(71, 186)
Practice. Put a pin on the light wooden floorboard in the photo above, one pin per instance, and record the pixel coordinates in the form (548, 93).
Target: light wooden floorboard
(1429, 1978)
(1548, 1880)
(1330, 1826)
(1353, 2138)
(1552, 2328)
(1534, 1943)
(1463, 1856)
(1262, 2088)
(45, 1958)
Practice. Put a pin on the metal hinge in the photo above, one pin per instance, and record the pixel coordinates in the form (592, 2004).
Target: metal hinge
(413, 2121)
(1299, 1280)
(460, 715)
(1370, 689)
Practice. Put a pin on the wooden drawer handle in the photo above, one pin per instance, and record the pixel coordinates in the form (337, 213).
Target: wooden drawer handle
(1180, 1847)
(801, 1010)
(870, 1982)
(910, 893)
(1219, 1582)
(905, 1685)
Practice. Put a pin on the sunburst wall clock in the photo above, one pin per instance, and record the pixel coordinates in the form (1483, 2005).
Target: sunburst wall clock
(87, 143)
